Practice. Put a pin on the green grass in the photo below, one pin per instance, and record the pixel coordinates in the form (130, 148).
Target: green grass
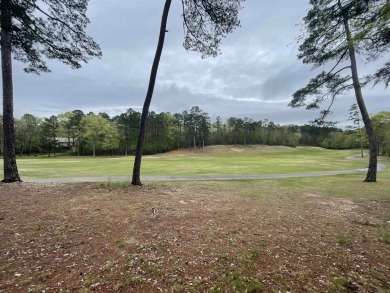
(385, 237)
(342, 239)
(350, 186)
(341, 186)
(267, 161)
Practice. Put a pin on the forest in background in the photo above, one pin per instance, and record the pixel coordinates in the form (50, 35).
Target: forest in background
(77, 133)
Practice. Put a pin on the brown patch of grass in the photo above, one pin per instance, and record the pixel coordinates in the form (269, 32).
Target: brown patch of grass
(226, 149)
(185, 237)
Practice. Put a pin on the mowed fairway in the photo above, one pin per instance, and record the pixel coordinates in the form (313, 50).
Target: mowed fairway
(215, 160)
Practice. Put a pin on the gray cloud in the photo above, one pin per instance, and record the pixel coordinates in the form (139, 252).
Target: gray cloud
(254, 77)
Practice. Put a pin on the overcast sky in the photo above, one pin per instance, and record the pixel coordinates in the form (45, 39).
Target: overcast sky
(254, 77)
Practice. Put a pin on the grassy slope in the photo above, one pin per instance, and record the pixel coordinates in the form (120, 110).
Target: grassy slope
(230, 160)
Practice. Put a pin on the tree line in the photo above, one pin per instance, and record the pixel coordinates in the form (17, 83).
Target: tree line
(77, 133)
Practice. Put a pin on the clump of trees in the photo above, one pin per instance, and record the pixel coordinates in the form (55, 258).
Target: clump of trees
(76, 133)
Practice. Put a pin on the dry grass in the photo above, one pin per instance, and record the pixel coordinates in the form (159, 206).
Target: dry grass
(214, 160)
(189, 237)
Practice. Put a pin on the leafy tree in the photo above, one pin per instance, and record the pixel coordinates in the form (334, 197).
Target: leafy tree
(271, 133)
(233, 125)
(294, 135)
(381, 124)
(76, 128)
(332, 28)
(248, 130)
(66, 125)
(204, 128)
(206, 22)
(27, 132)
(188, 129)
(32, 30)
(128, 123)
(198, 124)
(111, 138)
(351, 141)
(218, 131)
(161, 130)
(260, 131)
(314, 135)
(196, 127)
(49, 131)
(97, 131)
(179, 125)
(77, 116)
(335, 140)
(93, 130)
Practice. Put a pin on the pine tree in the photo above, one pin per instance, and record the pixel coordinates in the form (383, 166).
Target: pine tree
(32, 30)
(206, 22)
(333, 31)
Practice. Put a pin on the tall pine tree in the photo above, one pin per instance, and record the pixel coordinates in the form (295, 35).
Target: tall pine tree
(332, 36)
(206, 22)
(32, 30)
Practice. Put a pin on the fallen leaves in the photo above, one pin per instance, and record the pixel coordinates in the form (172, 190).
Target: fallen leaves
(177, 238)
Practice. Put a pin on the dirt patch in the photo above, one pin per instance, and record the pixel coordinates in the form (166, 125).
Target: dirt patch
(180, 238)
(226, 149)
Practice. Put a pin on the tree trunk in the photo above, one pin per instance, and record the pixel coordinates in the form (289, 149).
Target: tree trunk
(372, 165)
(11, 173)
(136, 180)
(68, 138)
(73, 145)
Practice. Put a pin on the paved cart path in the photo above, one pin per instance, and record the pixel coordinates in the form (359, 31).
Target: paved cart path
(204, 177)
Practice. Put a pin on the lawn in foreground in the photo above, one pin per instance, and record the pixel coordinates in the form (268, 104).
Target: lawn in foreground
(216, 160)
(327, 234)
